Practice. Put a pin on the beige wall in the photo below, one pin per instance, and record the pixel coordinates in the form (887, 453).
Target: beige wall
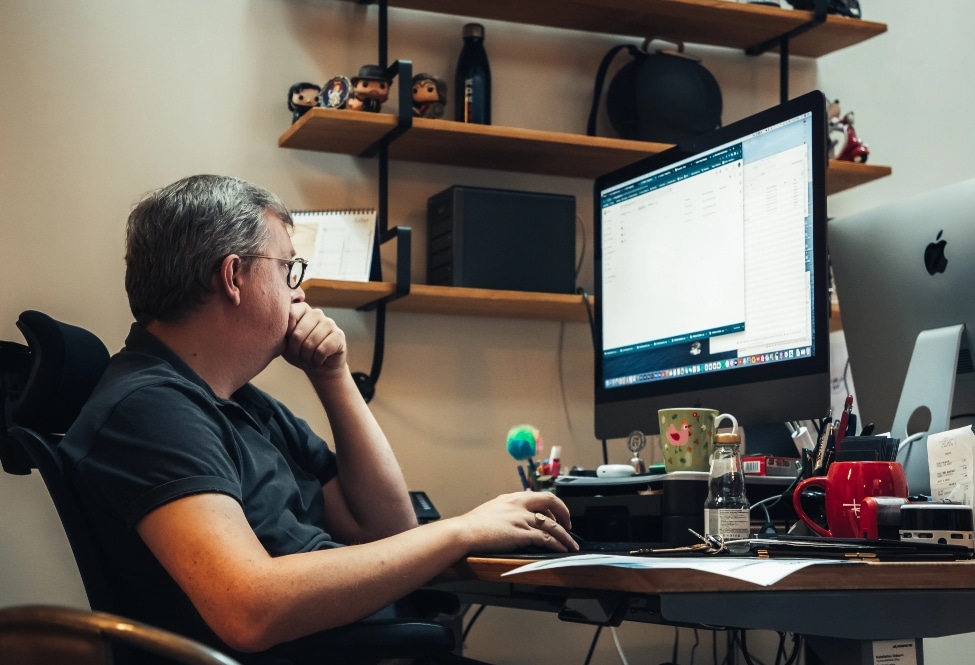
(104, 100)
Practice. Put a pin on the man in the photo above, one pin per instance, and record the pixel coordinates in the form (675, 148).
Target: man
(220, 512)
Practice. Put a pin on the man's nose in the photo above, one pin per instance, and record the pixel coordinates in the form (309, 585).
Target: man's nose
(298, 295)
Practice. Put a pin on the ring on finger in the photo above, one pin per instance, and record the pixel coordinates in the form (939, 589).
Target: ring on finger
(540, 520)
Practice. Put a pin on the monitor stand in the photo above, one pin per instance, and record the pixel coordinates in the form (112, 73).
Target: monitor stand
(930, 384)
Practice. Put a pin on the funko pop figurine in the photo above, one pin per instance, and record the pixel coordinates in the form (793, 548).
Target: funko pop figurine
(335, 93)
(429, 96)
(370, 89)
(301, 97)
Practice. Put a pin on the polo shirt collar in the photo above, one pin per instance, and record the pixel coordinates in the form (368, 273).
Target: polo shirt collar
(250, 398)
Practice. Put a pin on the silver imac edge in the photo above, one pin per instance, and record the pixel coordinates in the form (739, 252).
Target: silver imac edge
(900, 270)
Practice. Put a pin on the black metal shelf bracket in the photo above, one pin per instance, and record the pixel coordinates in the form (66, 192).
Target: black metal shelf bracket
(782, 42)
(402, 72)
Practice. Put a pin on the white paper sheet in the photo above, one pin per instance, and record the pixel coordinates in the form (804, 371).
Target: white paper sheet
(757, 571)
(950, 464)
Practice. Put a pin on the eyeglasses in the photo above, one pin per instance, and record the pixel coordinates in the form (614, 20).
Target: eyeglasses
(296, 268)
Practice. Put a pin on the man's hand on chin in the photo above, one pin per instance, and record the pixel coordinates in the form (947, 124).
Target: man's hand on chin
(314, 343)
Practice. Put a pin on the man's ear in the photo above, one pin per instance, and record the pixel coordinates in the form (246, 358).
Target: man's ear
(229, 278)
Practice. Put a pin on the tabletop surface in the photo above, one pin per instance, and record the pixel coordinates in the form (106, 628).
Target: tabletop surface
(950, 575)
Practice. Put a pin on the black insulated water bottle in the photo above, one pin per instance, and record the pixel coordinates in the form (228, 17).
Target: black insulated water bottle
(472, 85)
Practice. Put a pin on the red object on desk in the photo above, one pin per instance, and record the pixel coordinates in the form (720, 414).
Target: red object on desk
(769, 465)
(844, 422)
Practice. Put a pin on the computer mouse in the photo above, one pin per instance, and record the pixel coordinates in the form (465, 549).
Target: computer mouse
(615, 471)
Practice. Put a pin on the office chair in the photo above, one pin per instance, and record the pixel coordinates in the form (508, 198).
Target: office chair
(51, 635)
(44, 386)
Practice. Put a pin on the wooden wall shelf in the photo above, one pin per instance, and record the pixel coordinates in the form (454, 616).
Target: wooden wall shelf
(501, 148)
(713, 22)
(461, 144)
(451, 300)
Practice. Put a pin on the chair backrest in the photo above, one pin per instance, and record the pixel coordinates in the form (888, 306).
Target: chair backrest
(50, 635)
(47, 382)
(68, 363)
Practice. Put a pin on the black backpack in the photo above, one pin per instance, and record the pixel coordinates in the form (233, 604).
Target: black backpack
(663, 96)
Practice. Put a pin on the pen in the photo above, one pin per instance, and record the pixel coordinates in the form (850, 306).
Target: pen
(830, 448)
(844, 421)
(819, 453)
(555, 462)
(524, 478)
(826, 420)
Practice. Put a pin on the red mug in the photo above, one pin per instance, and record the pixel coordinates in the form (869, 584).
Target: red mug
(846, 485)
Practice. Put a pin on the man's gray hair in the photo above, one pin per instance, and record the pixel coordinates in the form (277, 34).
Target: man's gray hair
(177, 236)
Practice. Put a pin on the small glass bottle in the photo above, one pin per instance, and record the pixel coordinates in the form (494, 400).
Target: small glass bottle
(472, 84)
(726, 510)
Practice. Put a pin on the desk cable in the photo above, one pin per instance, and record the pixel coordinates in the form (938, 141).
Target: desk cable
(588, 305)
(470, 623)
(739, 642)
(616, 641)
(592, 644)
(765, 504)
(909, 440)
(619, 647)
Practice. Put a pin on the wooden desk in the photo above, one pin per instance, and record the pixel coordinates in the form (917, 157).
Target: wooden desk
(840, 609)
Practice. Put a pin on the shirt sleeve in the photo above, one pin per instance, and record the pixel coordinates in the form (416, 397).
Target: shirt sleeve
(308, 449)
(160, 443)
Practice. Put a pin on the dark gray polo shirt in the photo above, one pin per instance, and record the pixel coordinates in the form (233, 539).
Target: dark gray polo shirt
(154, 432)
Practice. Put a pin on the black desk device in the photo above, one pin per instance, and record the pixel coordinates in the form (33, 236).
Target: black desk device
(501, 239)
(423, 507)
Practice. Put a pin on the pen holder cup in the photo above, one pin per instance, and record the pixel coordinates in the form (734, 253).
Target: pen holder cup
(845, 486)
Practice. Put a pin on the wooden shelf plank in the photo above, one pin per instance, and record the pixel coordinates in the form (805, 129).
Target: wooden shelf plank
(846, 175)
(457, 301)
(460, 301)
(524, 150)
(460, 144)
(342, 132)
(714, 22)
(501, 148)
(835, 321)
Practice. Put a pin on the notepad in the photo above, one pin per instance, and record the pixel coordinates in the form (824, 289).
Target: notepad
(337, 243)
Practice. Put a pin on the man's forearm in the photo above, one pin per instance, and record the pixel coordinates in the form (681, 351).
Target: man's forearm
(370, 478)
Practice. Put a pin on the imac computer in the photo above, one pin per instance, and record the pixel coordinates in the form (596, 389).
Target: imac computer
(905, 278)
(711, 276)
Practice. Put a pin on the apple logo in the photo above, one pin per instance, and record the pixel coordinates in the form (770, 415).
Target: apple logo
(934, 255)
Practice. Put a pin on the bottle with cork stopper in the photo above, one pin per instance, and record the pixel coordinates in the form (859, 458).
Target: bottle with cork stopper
(726, 509)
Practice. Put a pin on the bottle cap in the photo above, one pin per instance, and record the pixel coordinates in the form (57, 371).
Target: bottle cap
(474, 30)
(727, 437)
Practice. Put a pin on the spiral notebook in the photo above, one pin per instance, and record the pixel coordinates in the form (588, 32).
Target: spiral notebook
(337, 243)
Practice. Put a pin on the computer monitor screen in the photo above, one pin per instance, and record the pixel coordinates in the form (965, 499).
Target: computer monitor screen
(711, 276)
(900, 269)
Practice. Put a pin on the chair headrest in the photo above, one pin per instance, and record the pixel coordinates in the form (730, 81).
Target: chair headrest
(67, 363)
